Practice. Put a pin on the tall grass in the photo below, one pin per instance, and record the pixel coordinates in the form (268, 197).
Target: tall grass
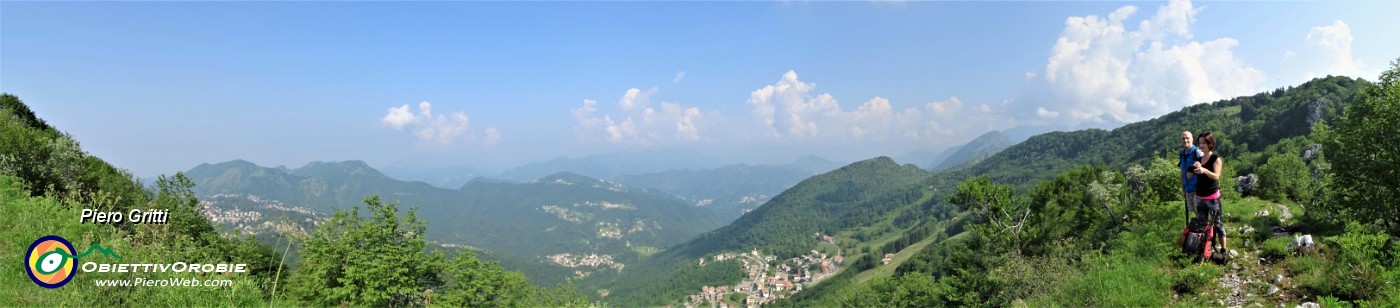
(28, 218)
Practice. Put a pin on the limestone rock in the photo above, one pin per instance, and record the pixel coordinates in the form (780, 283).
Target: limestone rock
(1247, 185)
(1303, 241)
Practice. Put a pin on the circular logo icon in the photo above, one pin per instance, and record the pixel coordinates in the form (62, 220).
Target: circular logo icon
(49, 261)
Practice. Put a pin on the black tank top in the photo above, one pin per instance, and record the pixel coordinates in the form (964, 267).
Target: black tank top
(1205, 186)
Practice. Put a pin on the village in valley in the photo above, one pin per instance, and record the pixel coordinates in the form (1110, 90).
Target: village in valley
(766, 278)
(251, 214)
(590, 260)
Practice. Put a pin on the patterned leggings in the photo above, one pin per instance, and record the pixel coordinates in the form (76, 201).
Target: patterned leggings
(1211, 207)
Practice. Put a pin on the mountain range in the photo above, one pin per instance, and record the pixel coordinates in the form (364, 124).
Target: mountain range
(562, 213)
(864, 211)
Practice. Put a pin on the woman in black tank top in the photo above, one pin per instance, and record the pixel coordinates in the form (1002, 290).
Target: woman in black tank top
(1208, 184)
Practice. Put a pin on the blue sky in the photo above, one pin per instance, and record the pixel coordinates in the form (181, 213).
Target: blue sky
(159, 87)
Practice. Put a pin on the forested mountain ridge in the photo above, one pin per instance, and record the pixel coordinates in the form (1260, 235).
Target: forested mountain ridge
(1245, 127)
(825, 203)
(319, 185)
(973, 151)
(837, 212)
(562, 213)
(729, 191)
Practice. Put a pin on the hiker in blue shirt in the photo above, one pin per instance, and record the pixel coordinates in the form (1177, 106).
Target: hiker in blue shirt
(1188, 155)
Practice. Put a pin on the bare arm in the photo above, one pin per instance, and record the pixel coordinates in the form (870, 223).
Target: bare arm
(1219, 163)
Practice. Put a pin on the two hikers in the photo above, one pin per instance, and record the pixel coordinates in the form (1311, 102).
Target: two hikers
(1201, 168)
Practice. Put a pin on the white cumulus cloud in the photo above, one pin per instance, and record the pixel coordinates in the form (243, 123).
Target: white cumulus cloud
(398, 117)
(637, 123)
(1335, 42)
(1100, 69)
(428, 127)
(791, 109)
(635, 98)
(1325, 50)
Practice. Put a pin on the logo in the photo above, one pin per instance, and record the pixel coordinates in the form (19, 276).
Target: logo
(50, 260)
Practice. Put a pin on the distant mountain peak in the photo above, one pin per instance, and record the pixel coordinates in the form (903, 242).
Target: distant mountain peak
(975, 151)
(348, 167)
(565, 175)
(881, 161)
(224, 166)
(237, 163)
(612, 165)
(811, 158)
(812, 164)
(570, 178)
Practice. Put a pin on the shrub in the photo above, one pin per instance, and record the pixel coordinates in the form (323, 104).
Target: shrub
(1275, 249)
(1359, 247)
(1354, 272)
(1332, 302)
(1263, 226)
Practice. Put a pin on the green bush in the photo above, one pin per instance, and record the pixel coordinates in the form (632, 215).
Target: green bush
(1354, 283)
(914, 290)
(1360, 247)
(1263, 226)
(1332, 302)
(1283, 177)
(1304, 265)
(1275, 249)
(1349, 267)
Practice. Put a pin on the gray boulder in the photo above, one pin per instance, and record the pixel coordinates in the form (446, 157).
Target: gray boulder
(1247, 185)
(1310, 152)
(1303, 241)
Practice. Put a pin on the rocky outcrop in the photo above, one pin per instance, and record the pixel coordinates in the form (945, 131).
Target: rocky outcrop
(1310, 152)
(1315, 110)
(1247, 185)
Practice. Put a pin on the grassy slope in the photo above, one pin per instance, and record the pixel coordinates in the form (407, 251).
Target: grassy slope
(1142, 268)
(885, 271)
(28, 218)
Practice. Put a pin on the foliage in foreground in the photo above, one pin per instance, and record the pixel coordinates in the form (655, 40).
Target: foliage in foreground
(381, 260)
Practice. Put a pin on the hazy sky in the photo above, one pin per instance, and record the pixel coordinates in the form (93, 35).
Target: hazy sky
(158, 87)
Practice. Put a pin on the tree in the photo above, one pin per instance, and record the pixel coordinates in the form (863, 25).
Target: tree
(1000, 219)
(1364, 150)
(176, 194)
(477, 284)
(367, 261)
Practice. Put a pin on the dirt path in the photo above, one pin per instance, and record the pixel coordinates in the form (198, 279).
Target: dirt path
(1237, 287)
(1245, 279)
